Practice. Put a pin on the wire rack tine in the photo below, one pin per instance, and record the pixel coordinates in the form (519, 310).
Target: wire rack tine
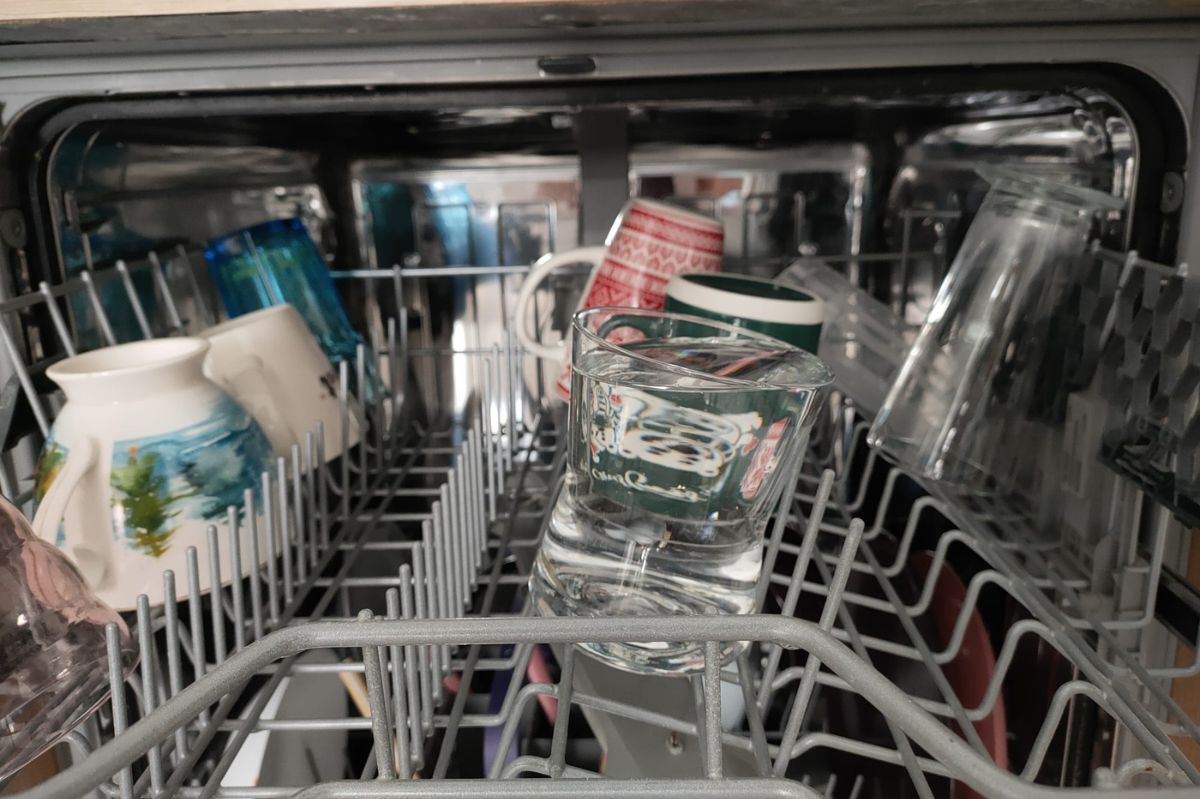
(924, 652)
(411, 688)
(428, 657)
(463, 525)
(116, 685)
(323, 482)
(754, 719)
(489, 439)
(235, 575)
(562, 715)
(98, 308)
(776, 537)
(216, 604)
(135, 302)
(1050, 724)
(164, 292)
(60, 325)
(283, 515)
(828, 614)
(478, 508)
(513, 709)
(256, 600)
(196, 617)
(18, 365)
(344, 403)
(807, 546)
(435, 546)
(359, 403)
(208, 319)
(149, 689)
(401, 709)
(313, 532)
(448, 502)
(903, 753)
(174, 667)
(384, 756)
(300, 523)
(270, 534)
(711, 689)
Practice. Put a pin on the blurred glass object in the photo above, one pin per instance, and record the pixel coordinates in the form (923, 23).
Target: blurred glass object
(862, 341)
(53, 652)
(278, 262)
(970, 383)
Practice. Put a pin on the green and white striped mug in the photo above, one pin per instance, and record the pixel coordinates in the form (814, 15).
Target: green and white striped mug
(750, 303)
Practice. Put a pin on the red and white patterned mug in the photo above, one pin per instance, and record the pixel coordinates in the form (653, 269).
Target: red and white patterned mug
(650, 243)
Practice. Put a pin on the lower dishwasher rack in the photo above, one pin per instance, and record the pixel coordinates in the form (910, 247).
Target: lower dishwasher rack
(439, 622)
(463, 507)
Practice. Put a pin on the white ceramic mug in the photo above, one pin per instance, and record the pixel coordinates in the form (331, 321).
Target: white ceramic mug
(270, 362)
(144, 456)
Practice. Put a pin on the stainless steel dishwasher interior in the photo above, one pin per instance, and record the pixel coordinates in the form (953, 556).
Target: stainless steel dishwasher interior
(429, 218)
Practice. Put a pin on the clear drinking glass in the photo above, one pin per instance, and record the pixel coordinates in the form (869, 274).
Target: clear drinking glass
(53, 656)
(971, 379)
(862, 341)
(682, 434)
(277, 262)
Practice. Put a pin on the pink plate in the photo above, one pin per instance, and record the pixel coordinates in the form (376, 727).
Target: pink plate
(973, 667)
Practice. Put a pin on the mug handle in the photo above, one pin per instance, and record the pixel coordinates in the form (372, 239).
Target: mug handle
(539, 272)
(247, 381)
(52, 510)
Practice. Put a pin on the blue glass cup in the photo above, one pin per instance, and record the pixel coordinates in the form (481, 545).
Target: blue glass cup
(278, 262)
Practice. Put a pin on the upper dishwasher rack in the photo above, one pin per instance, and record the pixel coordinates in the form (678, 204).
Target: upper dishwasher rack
(464, 504)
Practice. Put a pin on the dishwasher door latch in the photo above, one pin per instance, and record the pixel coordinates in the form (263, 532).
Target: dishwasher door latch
(565, 66)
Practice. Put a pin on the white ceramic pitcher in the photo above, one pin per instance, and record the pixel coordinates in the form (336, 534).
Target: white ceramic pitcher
(144, 456)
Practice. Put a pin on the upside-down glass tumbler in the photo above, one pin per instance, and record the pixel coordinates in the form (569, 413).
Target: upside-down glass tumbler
(972, 376)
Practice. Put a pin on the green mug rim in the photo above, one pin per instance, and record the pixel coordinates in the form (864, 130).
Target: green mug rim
(700, 290)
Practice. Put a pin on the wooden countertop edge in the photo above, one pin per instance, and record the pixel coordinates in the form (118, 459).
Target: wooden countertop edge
(25, 11)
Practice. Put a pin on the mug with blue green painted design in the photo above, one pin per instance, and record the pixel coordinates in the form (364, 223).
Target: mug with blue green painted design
(749, 302)
(144, 456)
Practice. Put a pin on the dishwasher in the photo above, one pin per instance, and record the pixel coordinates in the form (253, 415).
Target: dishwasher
(915, 640)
